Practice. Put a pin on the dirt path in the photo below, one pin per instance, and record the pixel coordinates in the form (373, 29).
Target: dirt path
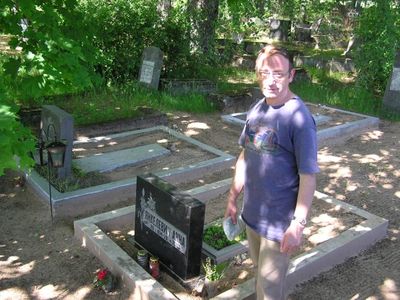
(41, 260)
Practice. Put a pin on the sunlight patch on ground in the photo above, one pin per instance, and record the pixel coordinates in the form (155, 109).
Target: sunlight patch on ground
(14, 293)
(9, 195)
(323, 234)
(327, 158)
(341, 172)
(387, 186)
(78, 149)
(186, 121)
(81, 293)
(351, 187)
(323, 228)
(45, 292)
(389, 289)
(384, 152)
(394, 234)
(194, 126)
(198, 125)
(372, 135)
(243, 274)
(370, 158)
(13, 268)
(191, 132)
(397, 194)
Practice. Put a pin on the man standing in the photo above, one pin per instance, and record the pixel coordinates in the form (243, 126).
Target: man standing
(276, 171)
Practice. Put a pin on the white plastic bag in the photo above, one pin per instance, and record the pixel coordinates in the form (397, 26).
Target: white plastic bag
(233, 230)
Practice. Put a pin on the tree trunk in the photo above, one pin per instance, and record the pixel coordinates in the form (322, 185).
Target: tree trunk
(163, 8)
(203, 15)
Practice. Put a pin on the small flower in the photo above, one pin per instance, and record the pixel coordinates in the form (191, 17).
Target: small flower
(100, 278)
(101, 275)
(104, 280)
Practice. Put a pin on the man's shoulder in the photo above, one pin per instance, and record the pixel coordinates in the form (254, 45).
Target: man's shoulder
(256, 103)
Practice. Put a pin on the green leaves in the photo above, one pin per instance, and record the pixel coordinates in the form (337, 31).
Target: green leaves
(214, 272)
(214, 236)
(378, 40)
(56, 54)
(16, 142)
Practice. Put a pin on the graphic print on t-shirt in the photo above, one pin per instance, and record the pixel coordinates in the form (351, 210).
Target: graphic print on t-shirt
(262, 139)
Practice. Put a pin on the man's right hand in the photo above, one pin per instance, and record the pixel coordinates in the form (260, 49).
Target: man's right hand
(231, 210)
(236, 188)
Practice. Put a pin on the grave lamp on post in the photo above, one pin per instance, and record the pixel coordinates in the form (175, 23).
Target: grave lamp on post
(55, 155)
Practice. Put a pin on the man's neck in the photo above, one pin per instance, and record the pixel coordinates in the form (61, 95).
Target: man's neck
(279, 101)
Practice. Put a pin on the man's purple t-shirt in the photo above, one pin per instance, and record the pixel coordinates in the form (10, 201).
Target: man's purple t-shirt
(280, 143)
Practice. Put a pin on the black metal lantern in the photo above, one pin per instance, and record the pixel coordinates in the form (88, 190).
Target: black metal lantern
(55, 151)
(56, 154)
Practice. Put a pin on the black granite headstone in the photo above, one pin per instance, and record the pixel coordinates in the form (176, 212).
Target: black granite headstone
(169, 225)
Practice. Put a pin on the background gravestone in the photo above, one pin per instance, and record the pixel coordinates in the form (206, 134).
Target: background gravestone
(302, 32)
(169, 225)
(151, 67)
(57, 123)
(279, 29)
(391, 99)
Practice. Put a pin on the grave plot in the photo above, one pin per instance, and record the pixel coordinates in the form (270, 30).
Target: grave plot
(119, 158)
(351, 230)
(333, 125)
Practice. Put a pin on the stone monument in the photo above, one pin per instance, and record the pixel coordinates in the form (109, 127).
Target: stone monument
(58, 124)
(150, 70)
(391, 99)
(279, 29)
(169, 225)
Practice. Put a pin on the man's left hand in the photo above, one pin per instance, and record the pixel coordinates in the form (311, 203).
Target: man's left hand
(292, 238)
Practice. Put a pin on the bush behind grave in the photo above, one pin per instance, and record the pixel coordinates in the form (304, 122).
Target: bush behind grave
(122, 29)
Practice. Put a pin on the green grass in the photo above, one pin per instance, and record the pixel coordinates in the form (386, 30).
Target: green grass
(334, 90)
(230, 80)
(129, 100)
(77, 180)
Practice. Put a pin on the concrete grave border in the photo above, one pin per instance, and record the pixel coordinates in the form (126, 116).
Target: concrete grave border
(91, 233)
(84, 201)
(330, 135)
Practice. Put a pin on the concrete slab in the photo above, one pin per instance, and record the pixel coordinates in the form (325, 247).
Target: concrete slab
(91, 232)
(106, 162)
(96, 198)
(327, 136)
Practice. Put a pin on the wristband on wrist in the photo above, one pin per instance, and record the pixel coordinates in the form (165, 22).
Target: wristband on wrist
(302, 222)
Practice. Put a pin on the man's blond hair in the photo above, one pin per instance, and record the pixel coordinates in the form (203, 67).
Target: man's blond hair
(269, 51)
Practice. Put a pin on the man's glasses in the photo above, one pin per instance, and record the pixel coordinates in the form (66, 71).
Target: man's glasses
(275, 75)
